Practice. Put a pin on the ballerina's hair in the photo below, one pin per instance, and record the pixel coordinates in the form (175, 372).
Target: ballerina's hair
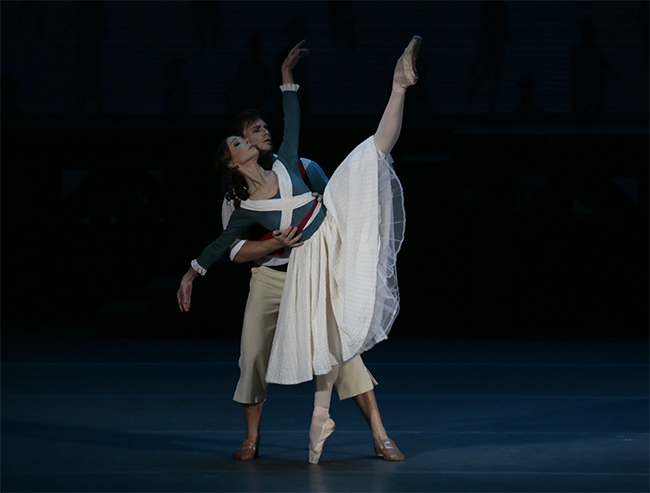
(237, 187)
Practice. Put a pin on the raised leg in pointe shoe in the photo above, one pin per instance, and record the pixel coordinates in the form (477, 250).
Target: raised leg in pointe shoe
(322, 426)
(405, 73)
(405, 76)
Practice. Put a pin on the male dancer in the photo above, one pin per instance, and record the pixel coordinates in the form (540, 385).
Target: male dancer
(262, 308)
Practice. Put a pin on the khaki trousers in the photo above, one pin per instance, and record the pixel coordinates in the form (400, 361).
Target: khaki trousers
(260, 319)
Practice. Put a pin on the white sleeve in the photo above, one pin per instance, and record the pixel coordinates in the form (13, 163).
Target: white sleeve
(227, 208)
(195, 265)
(234, 249)
(289, 87)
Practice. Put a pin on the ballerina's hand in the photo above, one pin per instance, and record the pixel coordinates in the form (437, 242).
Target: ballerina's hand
(288, 239)
(295, 55)
(184, 295)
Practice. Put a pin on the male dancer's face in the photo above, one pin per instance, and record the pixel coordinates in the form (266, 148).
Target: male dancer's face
(258, 134)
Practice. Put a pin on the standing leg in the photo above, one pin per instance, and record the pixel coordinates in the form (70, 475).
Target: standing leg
(322, 425)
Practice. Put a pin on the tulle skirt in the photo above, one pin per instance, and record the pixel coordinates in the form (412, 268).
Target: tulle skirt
(341, 296)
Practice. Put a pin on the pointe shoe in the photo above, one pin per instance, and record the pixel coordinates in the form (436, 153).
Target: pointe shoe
(247, 450)
(316, 447)
(405, 73)
(388, 450)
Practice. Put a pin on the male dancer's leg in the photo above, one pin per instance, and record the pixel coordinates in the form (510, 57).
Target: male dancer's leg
(260, 319)
(355, 381)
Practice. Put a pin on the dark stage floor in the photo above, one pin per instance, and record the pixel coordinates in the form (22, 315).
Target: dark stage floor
(114, 415)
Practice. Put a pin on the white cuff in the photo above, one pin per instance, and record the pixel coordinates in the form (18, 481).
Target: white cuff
(198, 268)
(289, 87)
(234, 250)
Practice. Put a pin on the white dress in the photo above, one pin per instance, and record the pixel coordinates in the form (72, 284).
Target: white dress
(340, 296)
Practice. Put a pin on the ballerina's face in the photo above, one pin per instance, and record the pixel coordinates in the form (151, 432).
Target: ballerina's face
(242, 151)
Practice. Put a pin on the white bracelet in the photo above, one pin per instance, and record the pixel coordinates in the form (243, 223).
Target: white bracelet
(198, 268)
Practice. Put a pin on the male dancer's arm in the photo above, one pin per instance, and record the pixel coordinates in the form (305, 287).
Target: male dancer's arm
(252, 250)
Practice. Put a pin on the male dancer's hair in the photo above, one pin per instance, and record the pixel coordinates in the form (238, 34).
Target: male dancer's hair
(243, 119)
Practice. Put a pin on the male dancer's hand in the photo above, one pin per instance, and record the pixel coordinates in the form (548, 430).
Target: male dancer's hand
(184, 293)
(288, 238)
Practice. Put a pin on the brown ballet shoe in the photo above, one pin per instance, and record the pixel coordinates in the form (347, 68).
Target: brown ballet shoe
(388, 451)
(247, 450)
(406, 74)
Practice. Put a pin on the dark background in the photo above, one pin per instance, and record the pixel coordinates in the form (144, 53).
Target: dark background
(524, 157)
